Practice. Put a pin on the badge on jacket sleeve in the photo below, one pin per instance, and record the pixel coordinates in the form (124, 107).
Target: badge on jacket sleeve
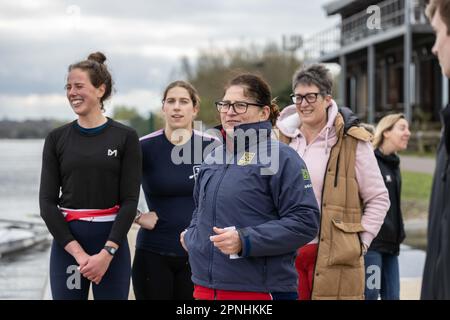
(246, 158)
(305, 174)
(306, 177)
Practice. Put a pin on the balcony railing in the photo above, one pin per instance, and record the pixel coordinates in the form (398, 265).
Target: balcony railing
(357, 27)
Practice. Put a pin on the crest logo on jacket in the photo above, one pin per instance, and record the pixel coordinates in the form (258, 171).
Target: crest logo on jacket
(388, 178)
(305, 174)
(246, 158)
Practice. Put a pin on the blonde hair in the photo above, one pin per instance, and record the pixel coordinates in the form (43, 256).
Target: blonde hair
(443, 8)
(386, 124)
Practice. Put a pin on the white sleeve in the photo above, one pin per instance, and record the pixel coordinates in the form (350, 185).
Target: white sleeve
(142, 205)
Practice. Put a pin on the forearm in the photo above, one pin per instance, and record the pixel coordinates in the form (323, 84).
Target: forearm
(74, 249)
(372, 191)
(129, 187)
(124, 220)
(56, 225)
(49, 191)
(277, 236)
(112, 244)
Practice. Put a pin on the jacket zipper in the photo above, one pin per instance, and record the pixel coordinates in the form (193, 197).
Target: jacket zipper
(214, 222)
(320, 224)
(337, 170)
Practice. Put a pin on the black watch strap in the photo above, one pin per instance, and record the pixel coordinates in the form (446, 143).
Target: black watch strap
(110, 250)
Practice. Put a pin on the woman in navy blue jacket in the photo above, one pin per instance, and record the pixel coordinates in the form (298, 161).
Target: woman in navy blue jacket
(254, 204)
(171, 157)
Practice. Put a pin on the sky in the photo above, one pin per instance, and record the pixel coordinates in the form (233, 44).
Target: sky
(143, 40)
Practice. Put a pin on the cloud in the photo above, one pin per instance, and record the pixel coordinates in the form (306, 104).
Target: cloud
(39, 106)
(143, 100)
(143, 41)
(34, 106)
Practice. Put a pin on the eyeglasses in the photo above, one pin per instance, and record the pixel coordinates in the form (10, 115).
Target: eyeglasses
(310, 97)
(239, 107)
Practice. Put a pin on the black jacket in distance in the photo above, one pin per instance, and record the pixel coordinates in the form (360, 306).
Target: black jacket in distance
(392, 232)
(436, 273)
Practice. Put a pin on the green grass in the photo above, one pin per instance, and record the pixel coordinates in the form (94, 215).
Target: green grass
(416, 186)
(411, 153)
(416, 189)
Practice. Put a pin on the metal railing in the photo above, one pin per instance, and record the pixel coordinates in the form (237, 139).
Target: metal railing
(358, 27)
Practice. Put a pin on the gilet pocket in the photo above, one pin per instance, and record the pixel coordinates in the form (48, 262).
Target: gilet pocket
(345, 247)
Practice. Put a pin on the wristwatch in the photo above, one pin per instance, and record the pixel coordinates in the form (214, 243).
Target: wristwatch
(110, 250)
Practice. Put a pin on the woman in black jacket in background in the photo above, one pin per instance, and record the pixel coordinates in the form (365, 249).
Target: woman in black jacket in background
(382, 271)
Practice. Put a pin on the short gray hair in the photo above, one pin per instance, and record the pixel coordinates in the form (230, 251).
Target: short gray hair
(316, 74)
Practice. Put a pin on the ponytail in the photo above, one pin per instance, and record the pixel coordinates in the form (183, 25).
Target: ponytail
(274, 111)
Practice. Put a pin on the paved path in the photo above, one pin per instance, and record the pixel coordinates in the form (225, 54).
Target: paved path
(417, 164)
(411, 263)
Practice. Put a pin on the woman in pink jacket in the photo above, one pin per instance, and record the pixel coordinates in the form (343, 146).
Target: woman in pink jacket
(309, 126)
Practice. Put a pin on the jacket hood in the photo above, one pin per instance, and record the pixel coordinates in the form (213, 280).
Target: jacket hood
(392, 160)
(350, 118)
(289, 121)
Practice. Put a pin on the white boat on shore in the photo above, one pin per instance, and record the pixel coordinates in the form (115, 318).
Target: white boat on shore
(19, 235)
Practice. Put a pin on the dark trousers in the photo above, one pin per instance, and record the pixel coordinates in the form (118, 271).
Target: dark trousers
(161, 277)
(68, 284)
(382, 276)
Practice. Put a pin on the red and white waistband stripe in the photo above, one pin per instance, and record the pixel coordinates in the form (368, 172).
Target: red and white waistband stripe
(94, 215)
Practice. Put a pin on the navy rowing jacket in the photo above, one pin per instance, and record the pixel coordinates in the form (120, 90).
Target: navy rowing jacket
(262, 188)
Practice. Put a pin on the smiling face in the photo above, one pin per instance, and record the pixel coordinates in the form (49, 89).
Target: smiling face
(312, 114)
(397, 138)
(179, 110)
(83, 97)
(441, 46)
(230, 119)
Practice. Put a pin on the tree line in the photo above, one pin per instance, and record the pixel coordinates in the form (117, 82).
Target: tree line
(209, 73)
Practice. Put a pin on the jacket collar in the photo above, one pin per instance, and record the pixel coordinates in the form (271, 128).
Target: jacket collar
(445, 117)
(391, 160)
(262, 132)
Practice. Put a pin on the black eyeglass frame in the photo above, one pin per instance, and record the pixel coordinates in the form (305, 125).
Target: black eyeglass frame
(316, 94)
(233, 105)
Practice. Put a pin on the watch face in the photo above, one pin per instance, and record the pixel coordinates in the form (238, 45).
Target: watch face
(111, 250)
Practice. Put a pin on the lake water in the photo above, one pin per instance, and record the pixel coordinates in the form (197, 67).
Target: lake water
(22, 275)
(20, 168)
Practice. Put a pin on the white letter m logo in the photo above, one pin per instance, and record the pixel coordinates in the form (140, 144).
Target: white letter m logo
(112, 153)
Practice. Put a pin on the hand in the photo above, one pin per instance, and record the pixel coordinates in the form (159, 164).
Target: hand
(96, 266)
(148, 220)
(76, 251)
(364, 248)
(182, 240)
(82, 259)
(227, 240)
